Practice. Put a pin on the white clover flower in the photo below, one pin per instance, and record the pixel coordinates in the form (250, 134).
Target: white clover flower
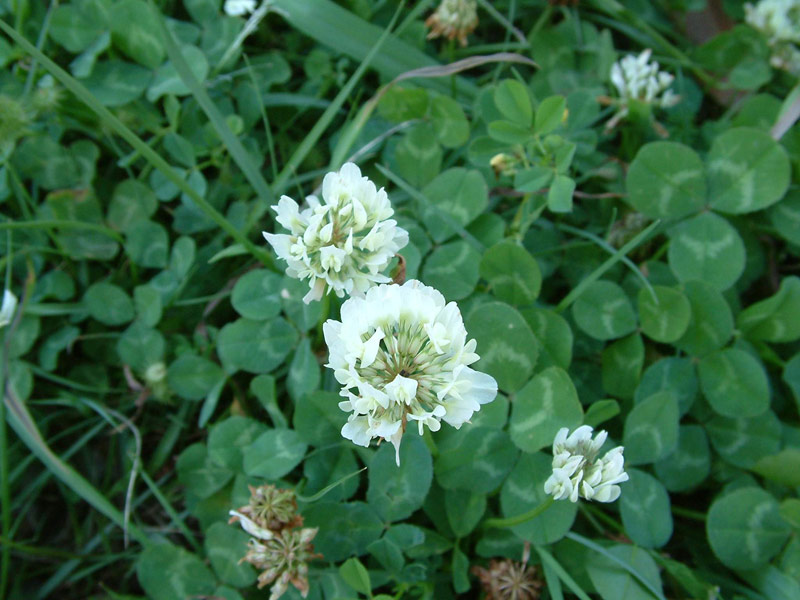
(454, 19)
(8, 308)
(637, 79)
(401, 354)
(779, 21)
(577, 471)
(238, 8)
(343, 244)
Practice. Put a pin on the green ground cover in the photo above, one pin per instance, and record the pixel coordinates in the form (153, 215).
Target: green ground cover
(608, 192)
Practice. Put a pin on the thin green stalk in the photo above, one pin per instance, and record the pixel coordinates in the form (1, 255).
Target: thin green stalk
(523, 219)
(23, 502)
(610, 262)
(611, 250)
(5, 488)
(168, 508)
(68, 567)
(43, 551)
(423, 201)
(273, 157)
(506, 23)
(170, 437)
(313, 137)
(24, 425)
(430, 443)
(413, 15)
(40, 41)
(52, 224)
(618, 11)
(85, 96)
(592, 510)
(624, 565)
(328, 488)
(519, 519)
(232, 143)
(688, 514)
(550, 561)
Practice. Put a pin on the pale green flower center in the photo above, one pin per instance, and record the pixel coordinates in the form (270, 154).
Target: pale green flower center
(407, 350)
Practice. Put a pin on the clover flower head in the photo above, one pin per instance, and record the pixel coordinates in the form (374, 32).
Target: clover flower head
(8, 308)
(401, 354)
(638, 79)
(506, 579)
(280, 547)
(343, 243)
(270, 509)
(779, 21)
(239, 8)
(283, 559)
(453, 19)
(577, 470)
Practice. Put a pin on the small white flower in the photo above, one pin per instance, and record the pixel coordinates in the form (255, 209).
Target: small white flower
(779, 21)
(638, 79)
(238, 8)
(402, 354)
(577, 470)
(343, 244)
(8, 308)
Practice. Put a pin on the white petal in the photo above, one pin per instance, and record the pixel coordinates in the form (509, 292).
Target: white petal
(401, 389)
(8, 308)
(251, 526)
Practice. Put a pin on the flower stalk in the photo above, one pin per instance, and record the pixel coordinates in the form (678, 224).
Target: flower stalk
(519, 519)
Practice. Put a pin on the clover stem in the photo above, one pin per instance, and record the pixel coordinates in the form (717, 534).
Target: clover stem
(519, 519)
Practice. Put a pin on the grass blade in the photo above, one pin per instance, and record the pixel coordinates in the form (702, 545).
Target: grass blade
(610, 262)
(324, 121)
(423, 201)
(328, 488)
(23, 424)
(552, 563)
(232, 143)
(352, 129)
(338, 28)
(600, 550)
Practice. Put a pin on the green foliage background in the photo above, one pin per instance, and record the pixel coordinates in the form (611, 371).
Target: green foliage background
(160, 361)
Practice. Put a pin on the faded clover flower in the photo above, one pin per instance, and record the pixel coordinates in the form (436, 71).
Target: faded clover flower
(637, 79)
(401, 354)
(453, 19)
(779, 21)
(577, 471)
(280, 547)
(284, 559)
(510, 580)
(342, 244)
(239, 8)
(270, 509)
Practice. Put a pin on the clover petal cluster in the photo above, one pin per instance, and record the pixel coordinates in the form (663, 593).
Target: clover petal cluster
(577, 470)
(402, 354)
(453, 19)
(779, 21)
(239, 8)
(280, 547)
(638, 79)
(343, 243)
